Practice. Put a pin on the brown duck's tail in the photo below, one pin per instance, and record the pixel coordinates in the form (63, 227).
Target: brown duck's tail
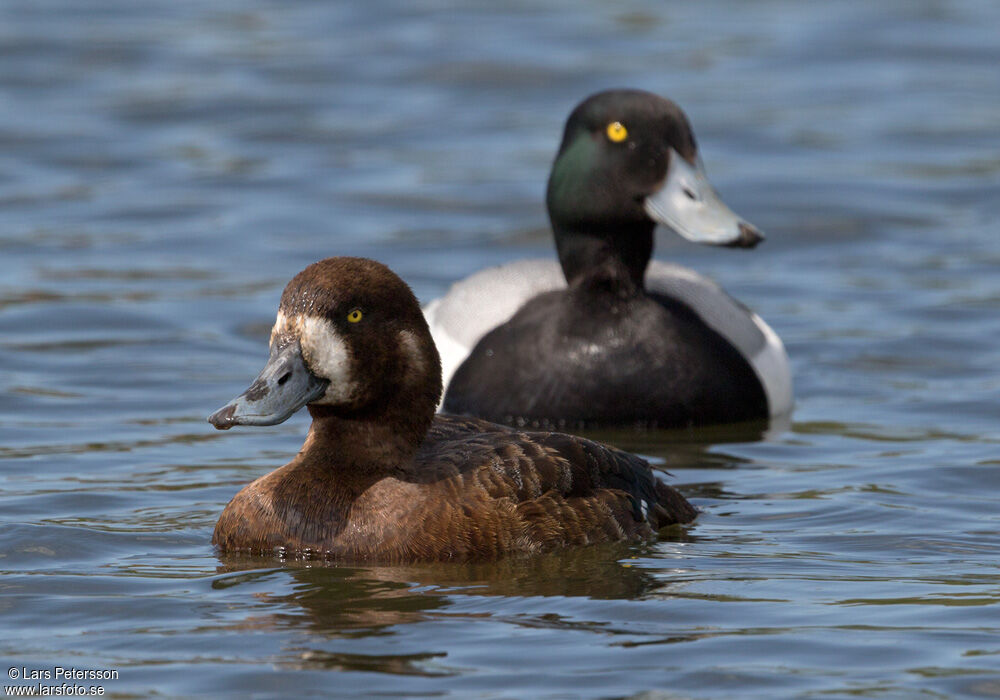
(671, 507)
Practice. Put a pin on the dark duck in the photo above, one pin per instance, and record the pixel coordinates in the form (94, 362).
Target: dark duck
(381, 477)
(604, 337)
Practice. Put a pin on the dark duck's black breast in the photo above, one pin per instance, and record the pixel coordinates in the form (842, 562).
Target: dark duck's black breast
(576, 359)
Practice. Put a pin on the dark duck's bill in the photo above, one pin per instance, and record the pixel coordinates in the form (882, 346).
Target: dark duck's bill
(689, 205)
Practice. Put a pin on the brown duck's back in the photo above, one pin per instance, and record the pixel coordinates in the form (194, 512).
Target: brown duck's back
(475, 490)
(566, 489)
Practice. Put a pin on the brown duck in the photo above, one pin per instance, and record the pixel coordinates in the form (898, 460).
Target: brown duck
(381, 477)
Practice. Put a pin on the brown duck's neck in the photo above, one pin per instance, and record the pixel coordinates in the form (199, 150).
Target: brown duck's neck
(364, 448)
(342, 458)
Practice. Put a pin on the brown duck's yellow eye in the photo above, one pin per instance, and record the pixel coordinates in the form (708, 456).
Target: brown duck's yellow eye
(617, 132)
(354, 316)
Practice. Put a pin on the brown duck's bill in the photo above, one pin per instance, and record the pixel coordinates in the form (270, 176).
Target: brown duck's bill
(689, 205)
(284, 386)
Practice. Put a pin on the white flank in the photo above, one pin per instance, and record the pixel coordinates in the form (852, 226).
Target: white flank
(773, 370)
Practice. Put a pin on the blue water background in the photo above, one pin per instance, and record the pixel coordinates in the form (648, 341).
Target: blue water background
(166, 166)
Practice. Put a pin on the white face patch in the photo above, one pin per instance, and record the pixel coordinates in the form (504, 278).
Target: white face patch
(283, 326)
(325, 353)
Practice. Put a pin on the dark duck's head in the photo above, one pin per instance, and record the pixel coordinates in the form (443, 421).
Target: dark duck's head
(349, 341)
(628, 160)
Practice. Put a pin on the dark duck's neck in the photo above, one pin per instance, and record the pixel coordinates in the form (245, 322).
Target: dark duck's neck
(614, 258)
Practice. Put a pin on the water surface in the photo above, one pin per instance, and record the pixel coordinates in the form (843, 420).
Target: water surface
(165, 167)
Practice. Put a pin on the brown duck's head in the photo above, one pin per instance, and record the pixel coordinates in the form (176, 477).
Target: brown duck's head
(349, 337)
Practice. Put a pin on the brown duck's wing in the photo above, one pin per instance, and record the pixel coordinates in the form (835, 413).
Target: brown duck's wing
(447, 426)
(596, 466)
(553, 471)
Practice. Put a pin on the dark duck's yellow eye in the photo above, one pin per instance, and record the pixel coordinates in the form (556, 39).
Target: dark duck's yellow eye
(354, 316)
(616, 132)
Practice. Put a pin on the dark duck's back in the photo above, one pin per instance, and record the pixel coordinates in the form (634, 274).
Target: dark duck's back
(381, 478)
